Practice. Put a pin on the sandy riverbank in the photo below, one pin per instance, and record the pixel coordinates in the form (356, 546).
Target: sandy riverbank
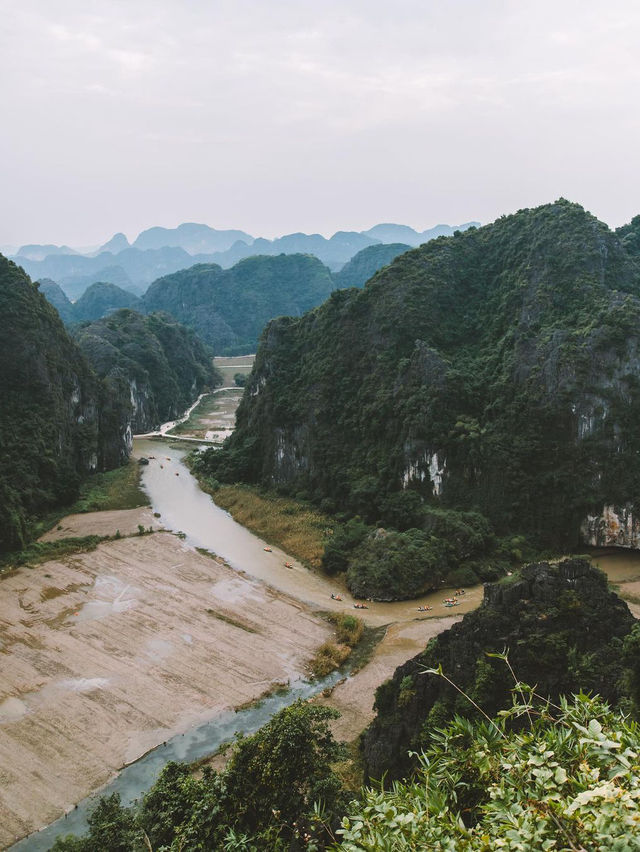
(354, 697)
(107, 654)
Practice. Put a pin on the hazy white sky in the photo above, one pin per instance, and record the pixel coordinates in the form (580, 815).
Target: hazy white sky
(284, 115)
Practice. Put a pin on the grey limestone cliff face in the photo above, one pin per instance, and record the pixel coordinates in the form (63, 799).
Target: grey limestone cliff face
(614, 526)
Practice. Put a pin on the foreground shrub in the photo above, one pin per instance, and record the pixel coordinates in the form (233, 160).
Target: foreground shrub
(570, 781)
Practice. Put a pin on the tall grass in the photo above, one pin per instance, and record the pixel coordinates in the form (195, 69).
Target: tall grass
(296, 527)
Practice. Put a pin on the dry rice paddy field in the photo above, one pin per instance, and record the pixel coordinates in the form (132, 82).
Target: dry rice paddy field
(109, 653)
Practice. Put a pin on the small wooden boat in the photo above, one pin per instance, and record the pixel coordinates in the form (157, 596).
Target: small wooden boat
(267, 549)
(288, 565)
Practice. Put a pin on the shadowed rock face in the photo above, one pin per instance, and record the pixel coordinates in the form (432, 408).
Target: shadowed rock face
(563, 629)
(615, 526)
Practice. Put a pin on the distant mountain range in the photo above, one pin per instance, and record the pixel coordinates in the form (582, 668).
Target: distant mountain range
(228, 308)
(162, 251)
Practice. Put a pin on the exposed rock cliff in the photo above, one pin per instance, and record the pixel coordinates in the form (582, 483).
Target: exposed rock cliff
(563, 629)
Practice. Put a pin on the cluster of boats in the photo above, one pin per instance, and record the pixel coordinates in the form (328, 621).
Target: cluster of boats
(449, 602)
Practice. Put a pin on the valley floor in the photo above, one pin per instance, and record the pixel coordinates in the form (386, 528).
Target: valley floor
(109, 653)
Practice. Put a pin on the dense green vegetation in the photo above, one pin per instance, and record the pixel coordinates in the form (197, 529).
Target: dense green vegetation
(100, 299)
(452, 548)
(495, 371)
(152, 366)
(60, 420)
(366, 263)
(51, 432)
(570, 781)
(58, 299)
(565, 632)
(114, 489)
(228, 308)
(630, 236)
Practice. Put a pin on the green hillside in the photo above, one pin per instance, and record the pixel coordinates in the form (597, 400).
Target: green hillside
(366, 263)
(229, 308)
(496, 371)
(51, 431)
(100, 299)
(156, 366)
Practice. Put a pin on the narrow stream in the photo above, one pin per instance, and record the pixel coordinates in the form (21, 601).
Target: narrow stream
(136, 778)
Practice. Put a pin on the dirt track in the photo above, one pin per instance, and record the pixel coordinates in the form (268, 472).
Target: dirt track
(107, 654)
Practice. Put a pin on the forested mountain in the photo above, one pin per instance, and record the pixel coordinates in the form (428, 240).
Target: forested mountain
(153, 366)
(51, 428)
(630, 236)
(39, 252)
(495, 370)
(391, 233)
(132, 268)
(228, 308)
(232, 318)
(117, 243)
(366, 263)
(100, 299)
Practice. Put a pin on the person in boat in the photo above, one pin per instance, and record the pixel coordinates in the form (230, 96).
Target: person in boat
(335, 597)
(288, 565)
(268, 549)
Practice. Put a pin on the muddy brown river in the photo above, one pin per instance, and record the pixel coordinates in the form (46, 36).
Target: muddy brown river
(184, 507)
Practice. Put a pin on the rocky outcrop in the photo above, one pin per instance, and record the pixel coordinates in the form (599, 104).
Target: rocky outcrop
(563, 630)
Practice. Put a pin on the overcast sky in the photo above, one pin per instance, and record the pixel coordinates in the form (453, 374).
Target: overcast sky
(277, 116)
